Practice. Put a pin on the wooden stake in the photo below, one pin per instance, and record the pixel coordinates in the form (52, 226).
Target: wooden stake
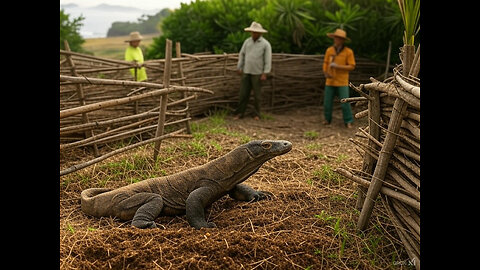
(164, 98)
(374, 131)
(399, 108)
(81, 99)
(387, 191)
(178, 51)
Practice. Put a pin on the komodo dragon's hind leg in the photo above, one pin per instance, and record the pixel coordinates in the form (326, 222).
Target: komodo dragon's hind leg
(144, 207)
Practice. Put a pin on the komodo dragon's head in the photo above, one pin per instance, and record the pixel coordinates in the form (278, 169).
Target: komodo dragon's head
(246, 159)
(264, 150)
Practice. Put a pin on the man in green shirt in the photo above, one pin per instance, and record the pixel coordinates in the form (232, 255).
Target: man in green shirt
(135, 54)
(254, 62)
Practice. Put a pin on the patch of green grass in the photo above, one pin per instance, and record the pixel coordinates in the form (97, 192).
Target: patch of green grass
(341, 157)
(327, 173)
(310, 134)
(131, 169)
(337, 198)
(197, 127)
(217, 117)
(216, 145)
(265, 116)
(314, 146)
(193, 148)
(339, 230)
(70, 228)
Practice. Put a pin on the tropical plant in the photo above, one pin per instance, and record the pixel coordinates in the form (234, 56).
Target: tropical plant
(294, 26)
(410, 10)
(316, 36)
(346, 16)
(291, 14)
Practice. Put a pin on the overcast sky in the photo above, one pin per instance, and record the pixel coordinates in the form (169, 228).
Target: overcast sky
(142, 4)
(97, 22)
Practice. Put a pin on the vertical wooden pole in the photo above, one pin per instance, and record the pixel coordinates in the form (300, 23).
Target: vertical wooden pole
(163, 98)
(81, 97)
(178, 50)
(374, 130)
(135, 108)
(272, 99)
(399, 108)
(415, 69)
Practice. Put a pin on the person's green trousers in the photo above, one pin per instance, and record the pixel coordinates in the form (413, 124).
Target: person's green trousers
(249, 82)
(341, 92)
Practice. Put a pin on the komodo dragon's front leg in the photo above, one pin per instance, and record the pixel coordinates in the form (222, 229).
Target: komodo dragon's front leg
(245, 193)
(195, 205)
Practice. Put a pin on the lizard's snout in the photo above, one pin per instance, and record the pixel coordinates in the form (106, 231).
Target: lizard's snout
(284, 147)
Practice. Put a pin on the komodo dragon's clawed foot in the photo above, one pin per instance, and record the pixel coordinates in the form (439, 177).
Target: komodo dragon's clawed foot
(200, 225)
(262, 195)
(144, 224)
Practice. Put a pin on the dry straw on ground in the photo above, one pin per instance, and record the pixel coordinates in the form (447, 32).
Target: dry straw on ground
(308, 224)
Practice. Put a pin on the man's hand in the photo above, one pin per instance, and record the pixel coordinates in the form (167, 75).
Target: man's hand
(333, 65)
(239, 71)
(263, 77)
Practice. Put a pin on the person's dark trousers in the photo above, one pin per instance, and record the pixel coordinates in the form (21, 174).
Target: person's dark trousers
(330, 93)
(249, 82)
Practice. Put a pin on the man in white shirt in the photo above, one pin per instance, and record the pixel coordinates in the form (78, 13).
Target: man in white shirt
(254, 62)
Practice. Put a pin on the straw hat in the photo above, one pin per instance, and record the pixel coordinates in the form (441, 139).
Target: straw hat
(338, 33)
(255, 27)
(134, 36)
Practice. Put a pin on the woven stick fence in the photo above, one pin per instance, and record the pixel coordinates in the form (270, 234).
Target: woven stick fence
(295, 80)
(107, 113)
(391, 164)
(101, 105)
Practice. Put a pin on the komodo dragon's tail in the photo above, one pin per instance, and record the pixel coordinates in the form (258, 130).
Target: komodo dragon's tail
(88, 200)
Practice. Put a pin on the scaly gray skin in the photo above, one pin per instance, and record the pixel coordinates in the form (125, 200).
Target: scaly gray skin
(189, 191)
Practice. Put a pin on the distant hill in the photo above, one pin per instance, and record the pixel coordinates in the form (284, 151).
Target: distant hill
(98, 19)
(115, 8)
(63, 6)
(147, 24)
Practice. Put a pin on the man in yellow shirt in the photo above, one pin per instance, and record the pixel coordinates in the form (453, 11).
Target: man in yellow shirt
(134, 53)
(338, 62)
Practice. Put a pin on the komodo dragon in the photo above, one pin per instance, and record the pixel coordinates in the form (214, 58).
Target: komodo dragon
(188, 192)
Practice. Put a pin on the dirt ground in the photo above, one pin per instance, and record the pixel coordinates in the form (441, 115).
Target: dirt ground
(308, 224)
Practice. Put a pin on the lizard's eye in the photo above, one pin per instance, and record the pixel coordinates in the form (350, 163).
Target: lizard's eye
(266, 145)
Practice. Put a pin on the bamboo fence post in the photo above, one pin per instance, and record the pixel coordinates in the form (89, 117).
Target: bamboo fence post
(399, 109)
(81, 98)
(163, 99)
(412, 253)
(415, 69)
(178, 51)
(374, 130)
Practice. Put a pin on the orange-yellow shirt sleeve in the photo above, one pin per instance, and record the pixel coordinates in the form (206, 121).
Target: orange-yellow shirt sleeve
(351, 58)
